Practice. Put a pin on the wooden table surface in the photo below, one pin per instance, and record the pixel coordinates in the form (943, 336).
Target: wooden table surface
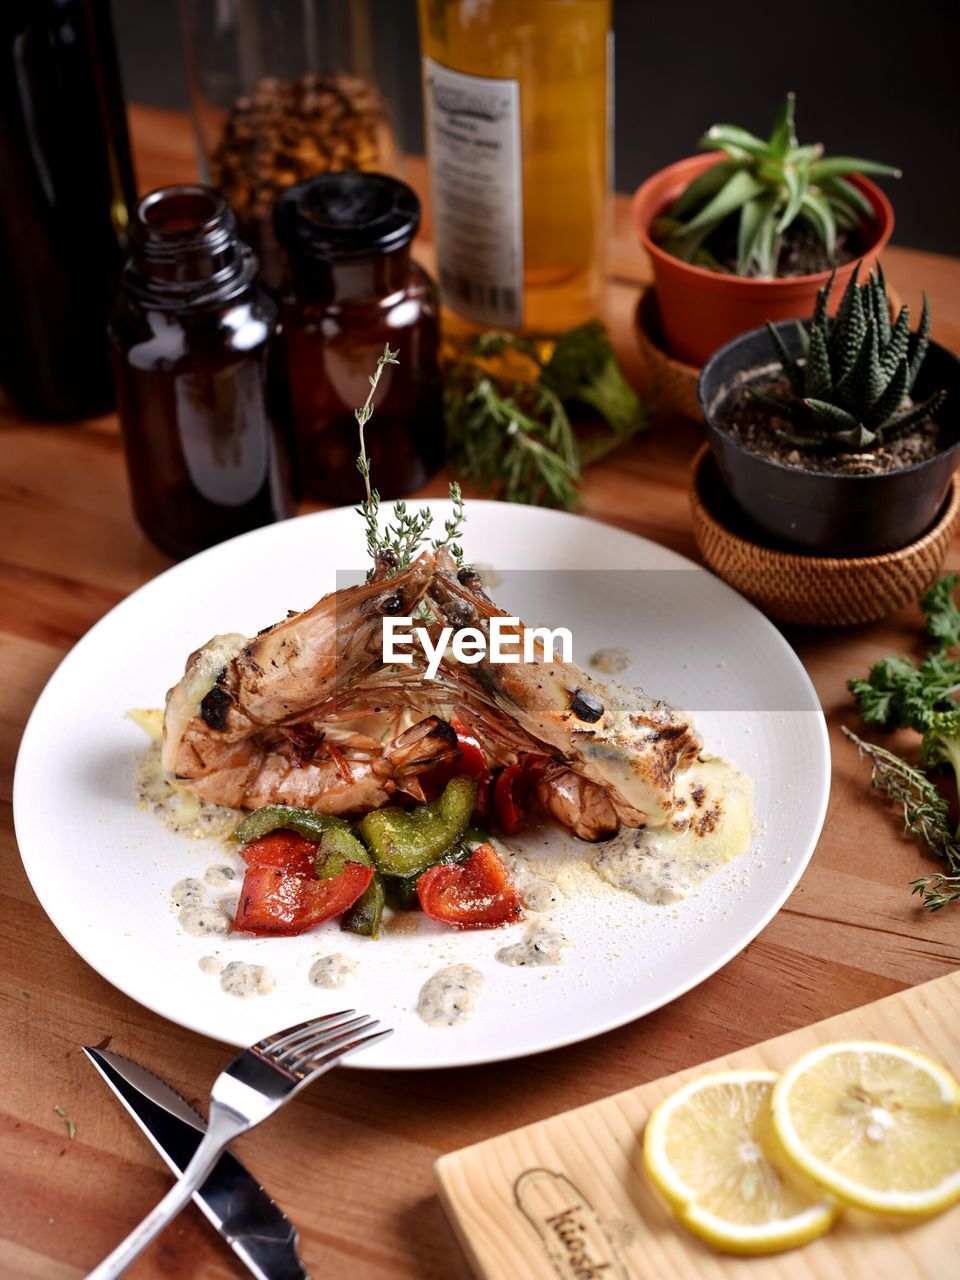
(351, 1161)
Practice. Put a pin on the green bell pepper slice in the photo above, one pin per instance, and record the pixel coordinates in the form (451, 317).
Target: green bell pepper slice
(338, 847)
(406, 843)
(366, 913)
(284, 817)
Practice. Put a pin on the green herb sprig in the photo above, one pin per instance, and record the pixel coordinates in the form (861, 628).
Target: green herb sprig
(938, 890)
(943, 616)
(897, 694)
(925, 812)
(514, 437)
(402, 538)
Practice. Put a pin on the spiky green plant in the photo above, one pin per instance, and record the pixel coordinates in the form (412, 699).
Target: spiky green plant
(766, 186)
(852, 387)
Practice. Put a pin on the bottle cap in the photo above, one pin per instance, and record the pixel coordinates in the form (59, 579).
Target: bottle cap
(347, 215)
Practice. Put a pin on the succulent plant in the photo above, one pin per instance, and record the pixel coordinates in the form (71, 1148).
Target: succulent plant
(768, 186)
(852, 388)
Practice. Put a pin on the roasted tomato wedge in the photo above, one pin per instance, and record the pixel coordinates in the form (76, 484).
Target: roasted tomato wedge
(476, 894)
(284, 850)
(471, 763)
(273, 900)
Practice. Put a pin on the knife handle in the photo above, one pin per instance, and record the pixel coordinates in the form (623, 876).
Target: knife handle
(224, 1125)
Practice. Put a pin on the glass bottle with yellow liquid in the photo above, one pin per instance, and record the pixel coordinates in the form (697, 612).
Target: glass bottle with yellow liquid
(518, 133)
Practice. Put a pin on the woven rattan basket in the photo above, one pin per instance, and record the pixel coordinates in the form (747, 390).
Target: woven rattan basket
(812, 591)
(672, 384)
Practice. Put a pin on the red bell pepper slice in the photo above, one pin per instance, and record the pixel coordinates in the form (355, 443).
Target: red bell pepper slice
(476, 894)
(511, 792)
(285, 850)
(509, 800)
(275, 901)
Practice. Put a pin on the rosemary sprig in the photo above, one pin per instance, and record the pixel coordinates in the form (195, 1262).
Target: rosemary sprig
(938, 890)
(508, 429)
(925, 812)
(514, 438)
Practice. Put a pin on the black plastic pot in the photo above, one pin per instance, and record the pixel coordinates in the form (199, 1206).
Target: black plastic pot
(822, 512)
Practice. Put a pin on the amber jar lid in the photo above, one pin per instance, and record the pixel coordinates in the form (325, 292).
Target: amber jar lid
(337, 216)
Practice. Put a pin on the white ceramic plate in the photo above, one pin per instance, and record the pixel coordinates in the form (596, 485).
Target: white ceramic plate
(103, 868)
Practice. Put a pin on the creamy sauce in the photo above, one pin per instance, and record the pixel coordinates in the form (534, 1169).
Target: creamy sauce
(245, 980)
(187, 892)
(538, 894)
(332, 970)
(210, 964)
(204, 922)
(450, 996)
(220, 875)
(177, 808)
(712, 824)
(611, 661)
(542, 943)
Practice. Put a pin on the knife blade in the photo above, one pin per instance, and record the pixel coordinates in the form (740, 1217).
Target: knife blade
(231, 1199)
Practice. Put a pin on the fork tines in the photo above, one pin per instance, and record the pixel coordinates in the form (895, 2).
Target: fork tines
(313, 1044)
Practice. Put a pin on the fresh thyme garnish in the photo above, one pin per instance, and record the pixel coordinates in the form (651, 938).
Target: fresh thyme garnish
(401, 539)
(453, 528)
(937, 890)
(371, 506)
(897, 694)
(925, 812)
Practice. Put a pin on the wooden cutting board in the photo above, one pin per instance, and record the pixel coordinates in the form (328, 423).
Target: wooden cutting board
(567, 1198)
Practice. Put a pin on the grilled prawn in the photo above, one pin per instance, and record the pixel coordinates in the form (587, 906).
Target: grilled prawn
(306, 713)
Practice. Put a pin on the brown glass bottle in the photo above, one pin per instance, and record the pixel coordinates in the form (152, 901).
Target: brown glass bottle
(66, 195)
(192, 341)
(351, 289)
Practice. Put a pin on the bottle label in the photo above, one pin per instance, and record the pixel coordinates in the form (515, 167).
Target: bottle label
(473, 127)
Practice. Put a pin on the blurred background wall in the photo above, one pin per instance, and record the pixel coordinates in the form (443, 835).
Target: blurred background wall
(877, 79)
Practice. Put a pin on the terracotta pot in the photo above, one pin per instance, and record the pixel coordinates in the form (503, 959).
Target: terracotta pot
(828, 513)
(700, 310)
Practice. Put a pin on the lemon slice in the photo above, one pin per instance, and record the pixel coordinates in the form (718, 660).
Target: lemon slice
(703, 1149)
(875, 1124)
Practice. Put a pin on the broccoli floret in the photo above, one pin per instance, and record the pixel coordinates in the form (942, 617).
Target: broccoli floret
(584, 368)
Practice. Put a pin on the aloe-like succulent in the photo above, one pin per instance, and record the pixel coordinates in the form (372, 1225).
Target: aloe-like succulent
(852, 387)
(767, 186)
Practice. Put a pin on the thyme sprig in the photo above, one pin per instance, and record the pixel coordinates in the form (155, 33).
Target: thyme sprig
(938, 890)
(453, 528)
(370, 510)
(925, 811)
(403, 537)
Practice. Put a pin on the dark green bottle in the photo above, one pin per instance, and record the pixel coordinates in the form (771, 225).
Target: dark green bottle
(66, 193)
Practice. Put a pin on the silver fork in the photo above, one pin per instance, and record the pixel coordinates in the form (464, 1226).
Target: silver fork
(254, 1086)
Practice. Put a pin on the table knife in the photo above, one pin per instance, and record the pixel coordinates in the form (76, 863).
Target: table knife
(231, 1198)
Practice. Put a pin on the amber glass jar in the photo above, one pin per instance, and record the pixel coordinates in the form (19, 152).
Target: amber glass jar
(352, 288)
(192, 340)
